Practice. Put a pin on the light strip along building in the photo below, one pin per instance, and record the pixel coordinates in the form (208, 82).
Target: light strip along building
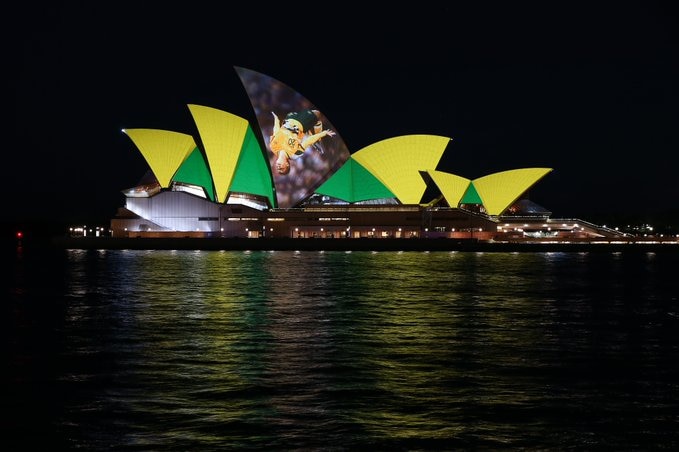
(226, 184)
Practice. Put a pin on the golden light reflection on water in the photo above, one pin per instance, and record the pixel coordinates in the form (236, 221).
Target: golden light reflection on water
(278, 322)
(290, 344)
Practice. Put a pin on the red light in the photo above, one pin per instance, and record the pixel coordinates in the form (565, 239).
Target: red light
(20, 234)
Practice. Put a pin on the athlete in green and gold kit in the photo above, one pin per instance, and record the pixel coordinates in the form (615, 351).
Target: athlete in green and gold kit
(299, 131)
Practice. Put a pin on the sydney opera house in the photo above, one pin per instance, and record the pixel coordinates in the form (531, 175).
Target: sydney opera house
(228, 182)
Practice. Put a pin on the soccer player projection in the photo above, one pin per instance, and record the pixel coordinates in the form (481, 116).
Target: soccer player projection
(303, 147)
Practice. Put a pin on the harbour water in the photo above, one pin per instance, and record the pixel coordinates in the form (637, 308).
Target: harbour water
(334, 350)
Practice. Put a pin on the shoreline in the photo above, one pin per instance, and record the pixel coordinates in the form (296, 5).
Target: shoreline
(363, 244)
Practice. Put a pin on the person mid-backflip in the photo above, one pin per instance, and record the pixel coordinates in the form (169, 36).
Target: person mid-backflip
(299, 131)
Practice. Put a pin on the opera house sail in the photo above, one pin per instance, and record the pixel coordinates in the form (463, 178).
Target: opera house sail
(289, 174)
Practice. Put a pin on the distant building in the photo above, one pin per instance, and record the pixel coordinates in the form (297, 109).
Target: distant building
(223, 183)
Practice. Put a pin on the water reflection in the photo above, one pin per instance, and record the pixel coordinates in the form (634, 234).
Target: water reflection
(211, 349)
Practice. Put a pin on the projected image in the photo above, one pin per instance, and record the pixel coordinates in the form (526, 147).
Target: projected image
(299, 132)
(303, 147)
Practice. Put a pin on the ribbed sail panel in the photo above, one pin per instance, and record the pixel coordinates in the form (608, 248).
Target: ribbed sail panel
(500, 190)
(252, 174)
(471, 196)
(396, 162)
(222, 135)
(353, 183)
(194, 171)
(452, 187)
(163, 150)
(340, 184)
(311, 165)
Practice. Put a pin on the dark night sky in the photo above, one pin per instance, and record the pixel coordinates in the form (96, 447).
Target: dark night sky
(591, 91)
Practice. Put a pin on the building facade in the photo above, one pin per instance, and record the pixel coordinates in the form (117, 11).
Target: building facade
(297, 179)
